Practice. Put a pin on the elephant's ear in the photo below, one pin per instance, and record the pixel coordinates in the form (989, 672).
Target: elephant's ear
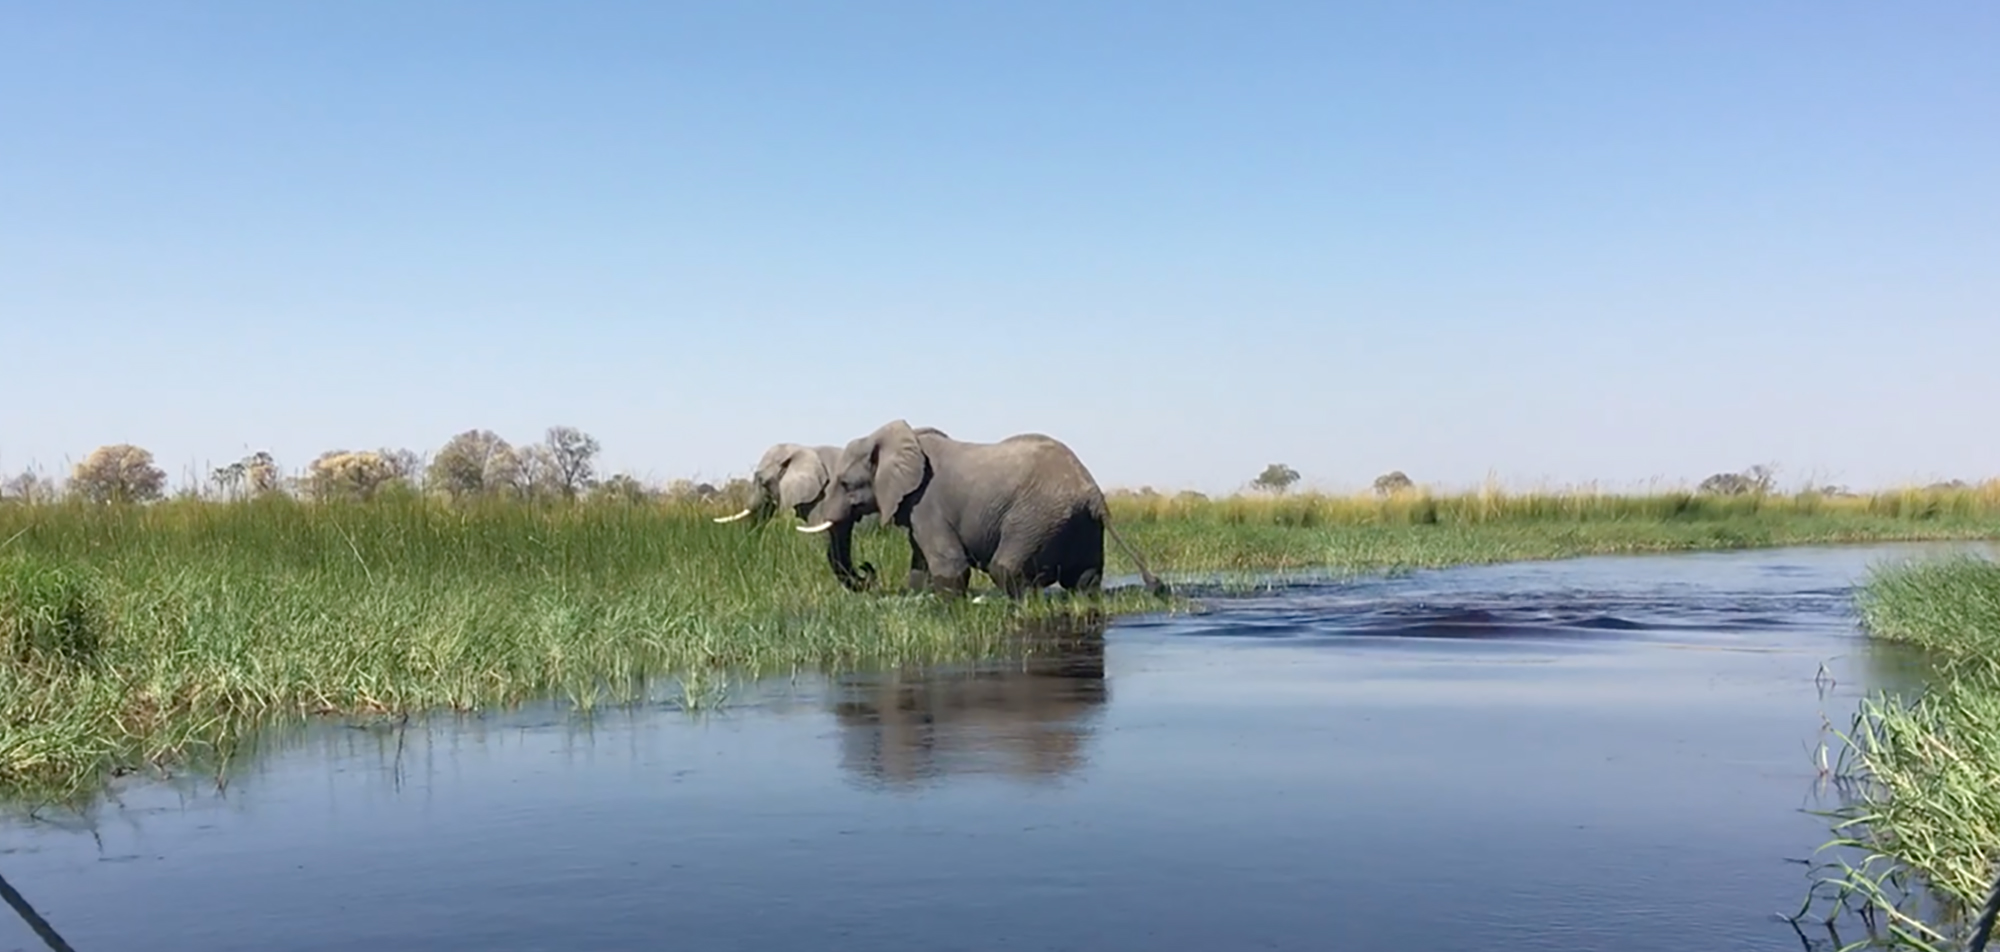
(772, 464)
(804, 480)
(899, 467)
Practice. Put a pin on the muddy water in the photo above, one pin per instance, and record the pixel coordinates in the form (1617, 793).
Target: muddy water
(1592, 754)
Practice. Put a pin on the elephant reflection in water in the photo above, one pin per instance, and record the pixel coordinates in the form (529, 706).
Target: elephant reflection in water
(1026, 717)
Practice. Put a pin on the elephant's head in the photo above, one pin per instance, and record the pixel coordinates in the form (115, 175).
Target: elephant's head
(874, 474)
(789, 476)
(800, 478)
(877, 473)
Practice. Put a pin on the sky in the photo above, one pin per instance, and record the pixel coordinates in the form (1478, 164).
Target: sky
(1544, 243)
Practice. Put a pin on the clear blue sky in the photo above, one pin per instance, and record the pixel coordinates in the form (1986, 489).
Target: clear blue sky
(1551, 241)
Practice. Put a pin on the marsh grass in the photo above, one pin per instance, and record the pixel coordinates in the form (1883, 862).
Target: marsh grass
(162, 633)
(1948, 607)
(1922, 774)
(1492, 505)
(1419, 530)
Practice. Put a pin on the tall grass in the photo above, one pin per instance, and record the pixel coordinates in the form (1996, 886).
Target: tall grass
(1491, 505)
(158, 633)
(1949, 607)
(1417, 529)
(1924, 772)
(146, 633)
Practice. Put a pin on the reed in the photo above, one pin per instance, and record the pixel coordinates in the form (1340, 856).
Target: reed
(1921, 772)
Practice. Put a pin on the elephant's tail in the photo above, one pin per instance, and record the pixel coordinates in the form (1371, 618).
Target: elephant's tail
(1153, 584)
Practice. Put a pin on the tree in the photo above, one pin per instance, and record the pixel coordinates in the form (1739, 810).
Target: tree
(1276, 478)
(570, 457)
(120, 472)
(535, 471)
(262, 473)
(256, 474)
(341, 474)
(1392, 482)
(620, 488)
(1756, 480)
(228, 480)
(474, 463)
(408, 465)
(30, 487)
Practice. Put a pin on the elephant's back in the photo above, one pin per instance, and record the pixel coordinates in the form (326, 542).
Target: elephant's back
(1033, 466)
(1051, 470)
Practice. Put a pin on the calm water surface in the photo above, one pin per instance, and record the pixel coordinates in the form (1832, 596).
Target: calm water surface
(1592, 754)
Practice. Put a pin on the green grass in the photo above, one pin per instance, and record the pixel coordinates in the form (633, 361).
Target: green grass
(1923, 773)
(1948, 607)
(145, 634)
(163, 633)
(1417, 530)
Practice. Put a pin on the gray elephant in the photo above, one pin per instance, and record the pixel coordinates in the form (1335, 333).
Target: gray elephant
(1023, 510)
(790, 475)
(795, 476)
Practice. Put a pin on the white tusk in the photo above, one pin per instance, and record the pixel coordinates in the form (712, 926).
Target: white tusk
(732, 518)
(822, 527)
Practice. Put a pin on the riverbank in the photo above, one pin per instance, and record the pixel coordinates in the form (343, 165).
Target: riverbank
(158, 634)
(1924, 770)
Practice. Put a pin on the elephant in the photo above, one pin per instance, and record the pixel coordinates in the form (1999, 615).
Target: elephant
(1023, 510)
(795, 476)
(790, 475)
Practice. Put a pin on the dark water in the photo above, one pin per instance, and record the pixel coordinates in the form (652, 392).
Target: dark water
(1594, 754)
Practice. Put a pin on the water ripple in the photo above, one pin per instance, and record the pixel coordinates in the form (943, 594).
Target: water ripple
(1527, 603)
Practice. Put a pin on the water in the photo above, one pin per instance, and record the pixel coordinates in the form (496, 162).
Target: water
(1591, 754)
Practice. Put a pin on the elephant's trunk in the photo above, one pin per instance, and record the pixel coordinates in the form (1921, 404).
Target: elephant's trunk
(840, 556)
(758, 509)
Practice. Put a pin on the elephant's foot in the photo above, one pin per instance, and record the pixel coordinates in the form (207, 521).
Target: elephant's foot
(861, 579)
(951, 584)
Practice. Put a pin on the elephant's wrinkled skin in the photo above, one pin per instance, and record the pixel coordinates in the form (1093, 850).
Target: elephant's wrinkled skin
(1023, 510)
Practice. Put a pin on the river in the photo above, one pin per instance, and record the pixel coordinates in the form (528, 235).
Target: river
(1584, 754)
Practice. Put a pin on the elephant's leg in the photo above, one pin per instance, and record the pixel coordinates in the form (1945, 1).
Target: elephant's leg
(920, 572)
(1010, 578)
(1080, 562)
(949, 576)
(1018, 569)
(1083, 579)
(936, 541)
(839, 556)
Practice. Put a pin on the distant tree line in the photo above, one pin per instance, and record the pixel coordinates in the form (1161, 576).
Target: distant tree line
(1278, 478)
(561, 466)
(473, 464)
(1761, 479)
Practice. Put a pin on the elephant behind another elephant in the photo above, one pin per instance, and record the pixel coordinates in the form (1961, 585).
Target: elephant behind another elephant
(1023, 510)
(795, 476)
